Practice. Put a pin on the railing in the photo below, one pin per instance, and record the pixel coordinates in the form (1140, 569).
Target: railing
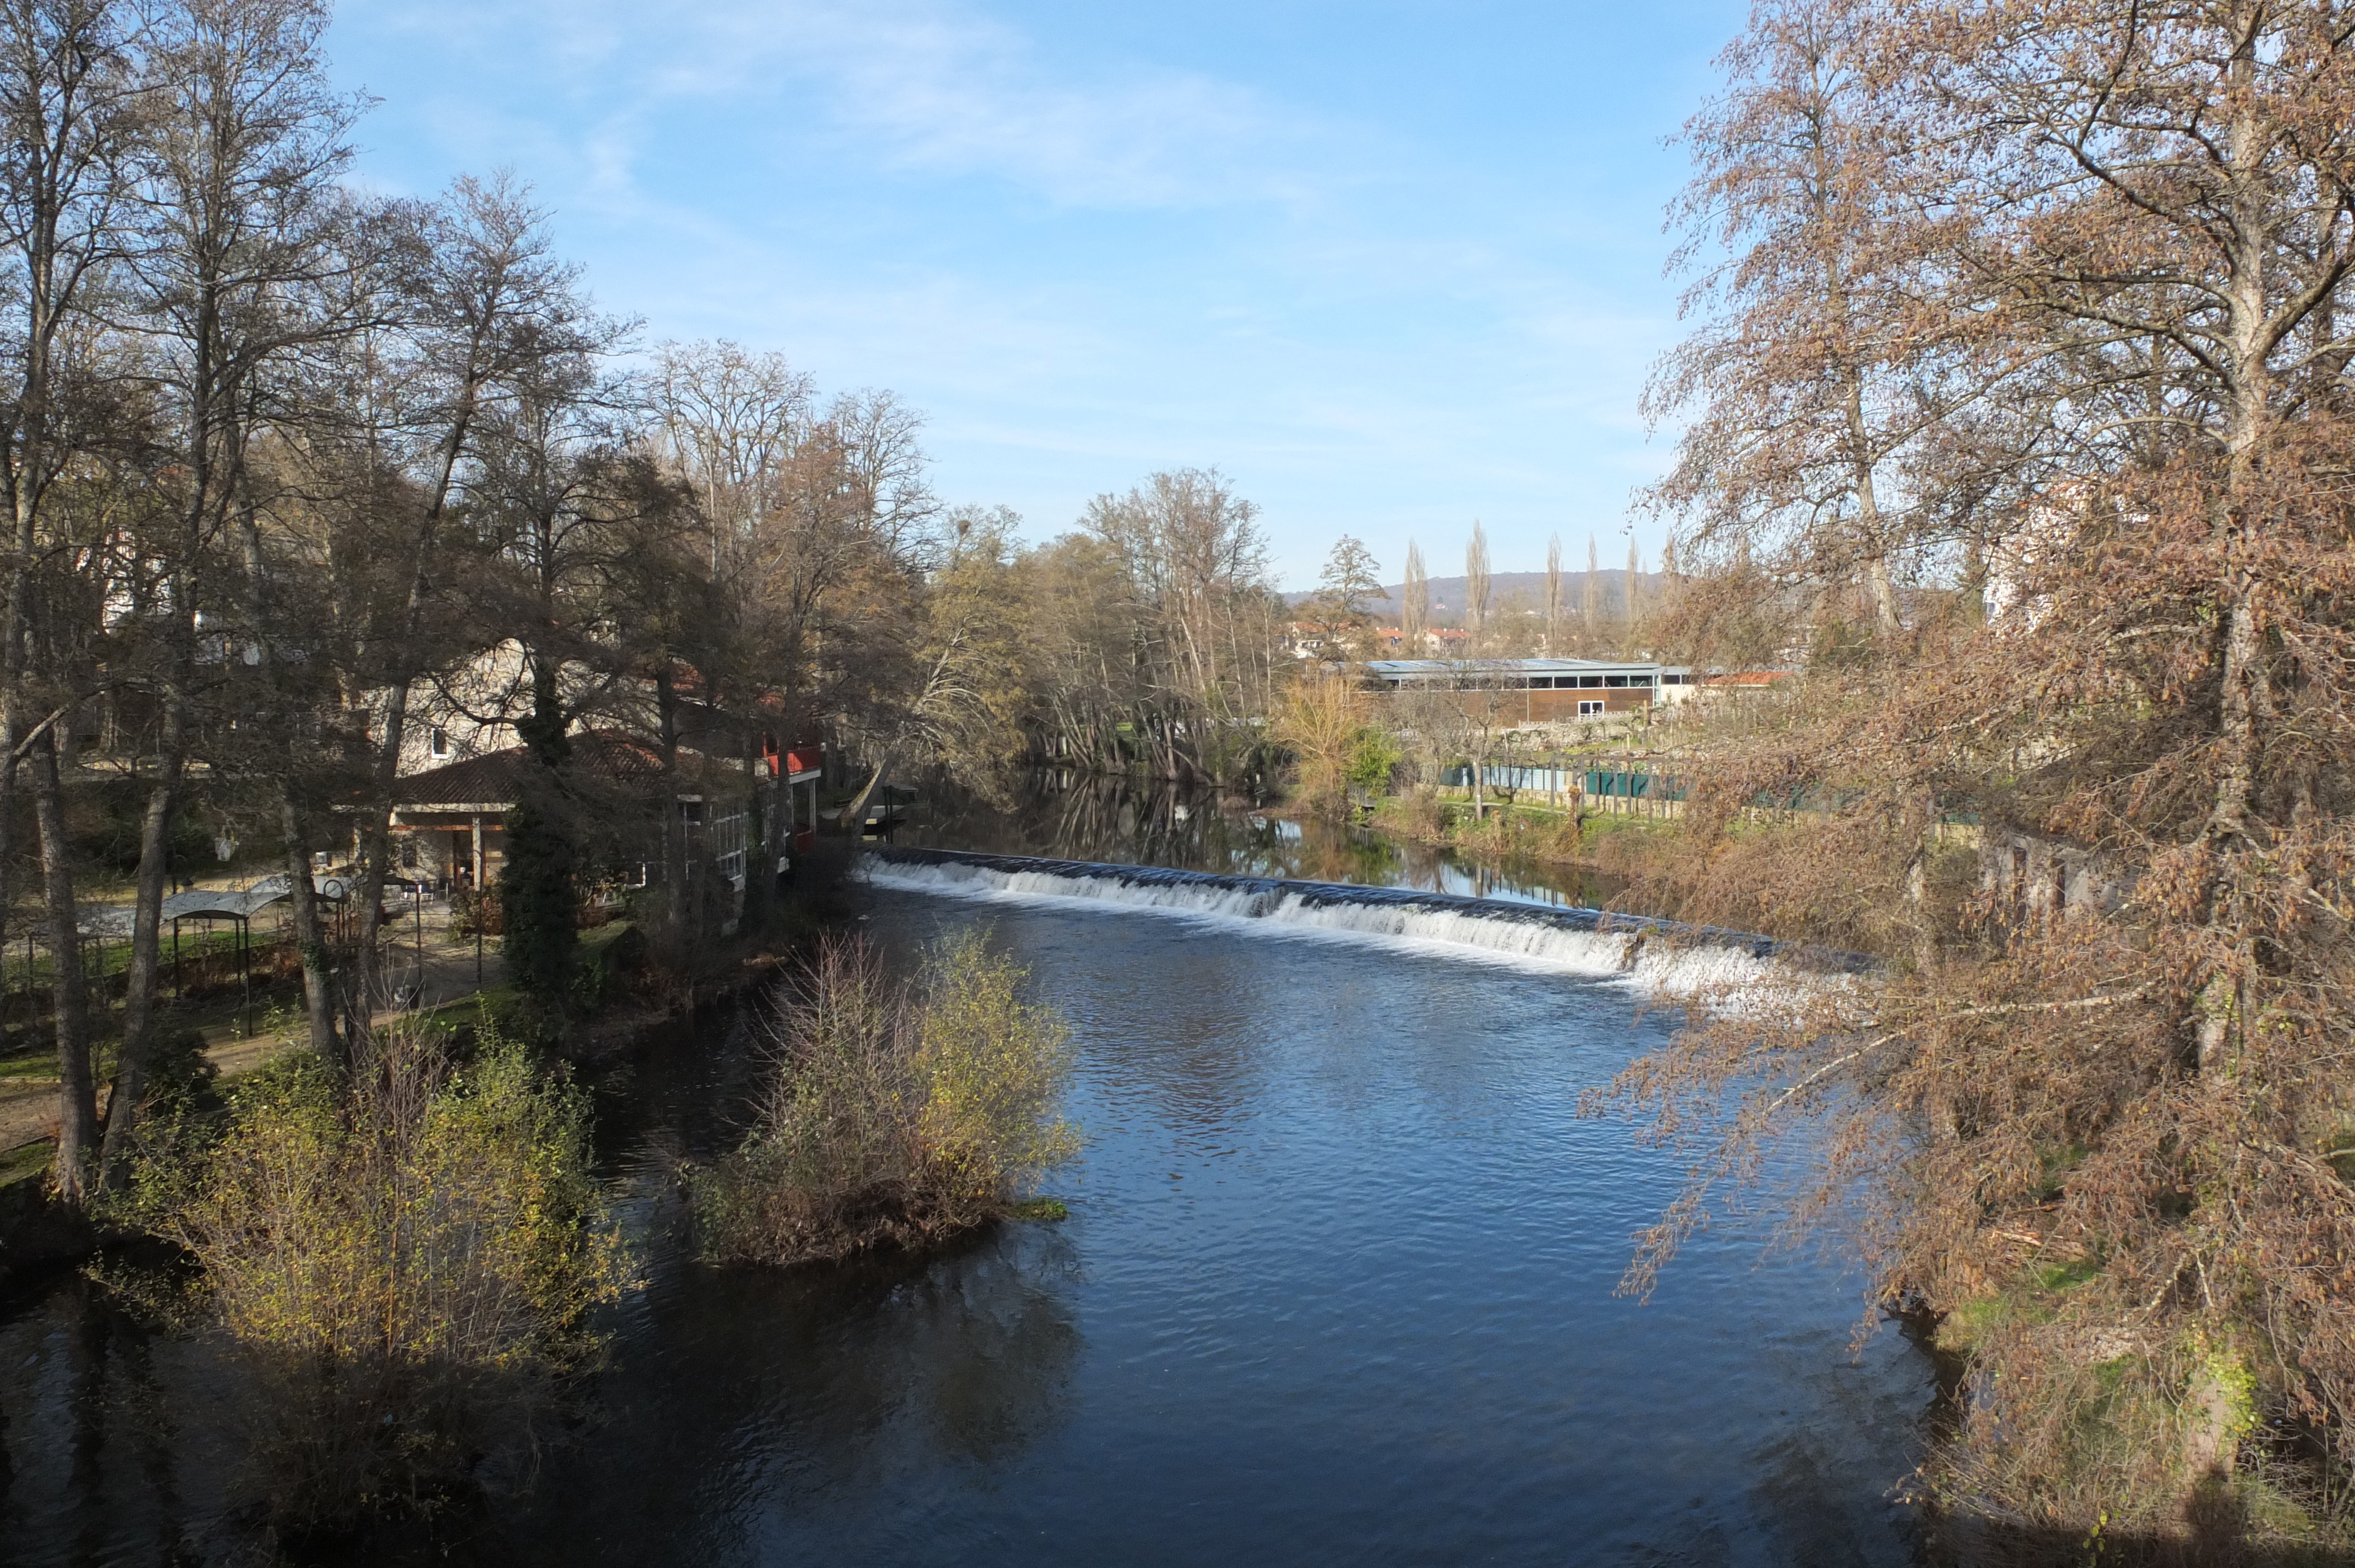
(1617, 786)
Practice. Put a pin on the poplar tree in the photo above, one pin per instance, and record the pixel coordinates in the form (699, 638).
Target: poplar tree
(1553, 596)
(1414, 613)
(1475, 582)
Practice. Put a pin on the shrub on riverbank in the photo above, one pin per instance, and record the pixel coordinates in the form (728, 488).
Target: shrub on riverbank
(1505, 829)
(1337, 747)
(404, 1262)
(898, 1114)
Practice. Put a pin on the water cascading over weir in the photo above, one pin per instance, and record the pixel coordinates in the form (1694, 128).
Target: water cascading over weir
(1657, 954)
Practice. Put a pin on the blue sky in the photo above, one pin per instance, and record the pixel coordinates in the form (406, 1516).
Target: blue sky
(1391, 266)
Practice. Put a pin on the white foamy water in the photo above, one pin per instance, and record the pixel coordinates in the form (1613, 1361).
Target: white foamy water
(1654, 963)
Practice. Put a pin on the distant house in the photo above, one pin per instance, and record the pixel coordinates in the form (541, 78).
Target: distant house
(1316, 639)
(448, 822)
(462, 760)
(1305, 639)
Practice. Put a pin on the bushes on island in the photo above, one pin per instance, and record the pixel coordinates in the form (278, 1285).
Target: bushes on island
(898, 1113)
(403, 1260)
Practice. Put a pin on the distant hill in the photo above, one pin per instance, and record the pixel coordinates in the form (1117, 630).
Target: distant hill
(1504, 588)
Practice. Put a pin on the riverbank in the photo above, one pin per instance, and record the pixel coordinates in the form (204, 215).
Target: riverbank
(447, 979)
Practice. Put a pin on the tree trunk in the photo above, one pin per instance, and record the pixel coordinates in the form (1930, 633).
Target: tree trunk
(752, 908)
(855, 813)
(69, 993)
(538, 886)
(674, 827)
(374, 833)
(2245, 698)
(144, 973)
(8, 744)
(319, 972)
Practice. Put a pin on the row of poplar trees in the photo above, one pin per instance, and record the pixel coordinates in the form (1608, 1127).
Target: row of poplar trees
(2024, 354)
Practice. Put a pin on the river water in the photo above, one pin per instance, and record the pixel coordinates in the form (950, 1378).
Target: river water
(1337, 1286)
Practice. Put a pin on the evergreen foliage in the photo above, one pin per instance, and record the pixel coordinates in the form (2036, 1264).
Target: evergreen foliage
(539, 894)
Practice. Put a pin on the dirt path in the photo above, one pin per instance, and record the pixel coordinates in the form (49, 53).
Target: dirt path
(29, 1111)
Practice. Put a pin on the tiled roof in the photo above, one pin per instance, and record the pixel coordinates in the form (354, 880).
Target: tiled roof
(492, 778)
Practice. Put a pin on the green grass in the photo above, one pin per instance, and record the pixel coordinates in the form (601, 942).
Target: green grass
(1041, 1209)
(24, 1162)
(1604, 824)
(597, 938)
(461, 1011)
(2032, 1296)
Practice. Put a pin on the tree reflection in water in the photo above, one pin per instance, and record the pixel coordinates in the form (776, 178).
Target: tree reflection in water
(1117, 820)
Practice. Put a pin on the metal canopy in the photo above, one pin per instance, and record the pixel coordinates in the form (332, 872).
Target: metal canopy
(205, 903)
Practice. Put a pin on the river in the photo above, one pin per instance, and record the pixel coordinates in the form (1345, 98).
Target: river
(1337, 1286)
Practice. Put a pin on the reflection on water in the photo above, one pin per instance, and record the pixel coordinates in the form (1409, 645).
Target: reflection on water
(1121, 821)
(1337, 1287)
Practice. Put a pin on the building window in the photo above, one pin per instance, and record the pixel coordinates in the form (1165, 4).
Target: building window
(1591, 708)
(438, 743)
(1590, 680)
(1615, 680)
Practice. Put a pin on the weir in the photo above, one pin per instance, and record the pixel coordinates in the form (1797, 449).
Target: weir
(1595, 942)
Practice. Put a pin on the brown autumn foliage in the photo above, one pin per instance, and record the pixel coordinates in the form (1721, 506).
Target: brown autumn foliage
(2042, 313)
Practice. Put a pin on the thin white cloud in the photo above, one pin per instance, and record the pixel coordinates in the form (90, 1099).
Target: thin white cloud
(929, 86)
(952, 92)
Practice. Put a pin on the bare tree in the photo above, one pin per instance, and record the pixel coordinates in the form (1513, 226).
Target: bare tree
(731, 421)
(68, 89)
(2089, 266)
(1632, 597)
(1195, 562)
(1352, 578)
(1553, 596)
(1475, 582)
(1591, 596)
(489, 310)
(1820, 365)
(235, 269)
(1414, 613)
